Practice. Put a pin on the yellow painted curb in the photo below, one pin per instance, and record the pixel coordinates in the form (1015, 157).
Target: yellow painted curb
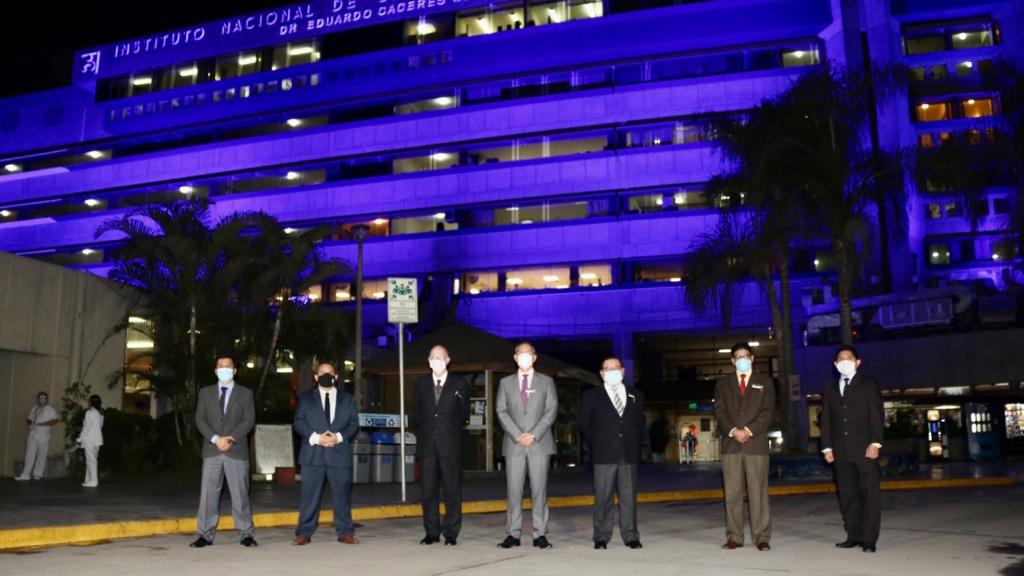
(22, 538)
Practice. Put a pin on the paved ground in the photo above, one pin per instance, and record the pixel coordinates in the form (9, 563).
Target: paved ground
(63, 502)
(935, 532)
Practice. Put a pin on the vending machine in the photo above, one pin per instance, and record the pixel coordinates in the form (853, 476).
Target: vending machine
(983, 432)
(938, 439)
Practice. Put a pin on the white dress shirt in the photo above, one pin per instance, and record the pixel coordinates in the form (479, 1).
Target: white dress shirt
(843, 384)
(617, 390)
(331, 393)
(227, 398)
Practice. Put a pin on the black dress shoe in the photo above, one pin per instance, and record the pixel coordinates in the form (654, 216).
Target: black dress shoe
(450, 541)
(600, 545)
(428, 539)
(200, 543)
(248, 542)
(634, 544)
(509, 542)
(541, 542)
(868, 548)
(847, 544)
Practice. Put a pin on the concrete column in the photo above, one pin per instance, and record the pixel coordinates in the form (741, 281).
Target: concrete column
(622, 347)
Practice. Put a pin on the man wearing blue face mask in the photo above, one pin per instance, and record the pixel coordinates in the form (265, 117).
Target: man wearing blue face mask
(225, 414)
(744, 402)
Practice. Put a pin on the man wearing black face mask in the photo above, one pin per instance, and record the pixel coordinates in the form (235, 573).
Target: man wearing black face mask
(326, 420)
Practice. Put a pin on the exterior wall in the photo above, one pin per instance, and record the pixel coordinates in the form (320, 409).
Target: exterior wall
(56, 330)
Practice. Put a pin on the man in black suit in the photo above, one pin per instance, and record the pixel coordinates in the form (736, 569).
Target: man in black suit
(441, 409)
(744, 405)
(326, 421)
(613, 426)
(852, 423)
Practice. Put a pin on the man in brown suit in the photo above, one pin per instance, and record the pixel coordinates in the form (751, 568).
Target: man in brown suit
(743, 407)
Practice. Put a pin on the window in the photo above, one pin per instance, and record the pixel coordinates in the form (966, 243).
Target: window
(537, 278)
(932, 111)
(978, 107)
(233, 65)
(658, 272)
(433, 161)
(965, 68)
(540, 12)
(1001, 205)
(295, 54)
(440, 102)
(925, 141)
(422, 224)
(1004, 249)
(595, 275)
(924, 44)
(938, 254)
(938, 71)
(934, 211)
(545, 212)
(803, 56)
(583, 9)
(375, 289)
(478, 282)
(953, 210)
(973, 37)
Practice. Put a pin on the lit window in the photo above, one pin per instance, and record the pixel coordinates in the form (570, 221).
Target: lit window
(932, 111)
(978, 107)
(924, 44)
(805, 56)
(595, 275)
(938, 254)
(479, 282)
(537, 278)
(972, 38)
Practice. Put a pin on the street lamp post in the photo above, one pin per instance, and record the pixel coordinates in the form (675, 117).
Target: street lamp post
(360, 231)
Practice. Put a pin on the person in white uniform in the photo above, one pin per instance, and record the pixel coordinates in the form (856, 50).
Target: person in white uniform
(91, 439)
(41, 419)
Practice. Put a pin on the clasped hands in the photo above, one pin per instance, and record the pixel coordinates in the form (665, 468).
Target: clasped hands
(329, 439)
(741, 435)
(224, 443)
(525, 439)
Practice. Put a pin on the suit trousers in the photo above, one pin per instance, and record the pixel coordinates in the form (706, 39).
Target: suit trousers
(215, 470)
(441, 473)
(311, 495)
(92, 453)
(860, 499)
(535, 465)
(746, 472)
(609, 480)
(37, 449)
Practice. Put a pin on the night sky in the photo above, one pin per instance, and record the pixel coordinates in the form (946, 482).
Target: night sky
(40, 37)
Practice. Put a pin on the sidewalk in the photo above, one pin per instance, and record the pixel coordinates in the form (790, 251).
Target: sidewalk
(55, 512)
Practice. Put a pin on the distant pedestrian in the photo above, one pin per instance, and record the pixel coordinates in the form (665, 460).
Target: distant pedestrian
(41, 419)
(689, 446)
(91, 439)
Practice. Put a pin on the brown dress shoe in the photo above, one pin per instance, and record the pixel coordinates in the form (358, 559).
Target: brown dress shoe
(348, 539)
(731, 545)
(301, 541)
(764, 546)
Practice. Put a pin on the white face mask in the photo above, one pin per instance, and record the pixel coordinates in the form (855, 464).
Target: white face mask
(525, 361)
(225, 374)
(613, 377)
(437, 365)
(846, 368)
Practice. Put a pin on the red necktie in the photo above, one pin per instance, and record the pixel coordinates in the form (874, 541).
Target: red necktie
(743, 384)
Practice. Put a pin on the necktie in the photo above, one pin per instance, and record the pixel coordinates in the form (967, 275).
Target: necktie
(743, 384)
(522, 390)
(437, 391)
(617, 400)
(327, 407)
(842, 389)
(223, 397)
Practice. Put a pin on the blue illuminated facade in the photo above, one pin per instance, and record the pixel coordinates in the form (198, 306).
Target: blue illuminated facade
(535, 163)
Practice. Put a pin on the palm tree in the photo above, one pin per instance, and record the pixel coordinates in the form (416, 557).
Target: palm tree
(188, 269)
(293, 264)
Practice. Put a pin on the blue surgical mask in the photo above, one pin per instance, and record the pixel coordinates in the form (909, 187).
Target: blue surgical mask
(743, 365)
(225, 375)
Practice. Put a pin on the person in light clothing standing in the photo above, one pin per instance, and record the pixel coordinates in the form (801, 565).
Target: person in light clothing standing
(91, 439)
(41, 419)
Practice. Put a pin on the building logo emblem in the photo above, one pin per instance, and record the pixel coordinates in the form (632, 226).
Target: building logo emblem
(90, 62)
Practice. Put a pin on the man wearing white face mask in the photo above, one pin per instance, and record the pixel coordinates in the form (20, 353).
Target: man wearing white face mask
(440, 410)
(225, 414)
(852, 423)
(744, 404)
(613, 425)
(527, 407)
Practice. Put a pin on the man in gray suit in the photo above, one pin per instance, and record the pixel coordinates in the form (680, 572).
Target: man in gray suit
(527, 408)
(225, 414)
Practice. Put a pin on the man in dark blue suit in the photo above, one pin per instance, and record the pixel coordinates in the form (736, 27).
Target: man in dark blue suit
(327, 421)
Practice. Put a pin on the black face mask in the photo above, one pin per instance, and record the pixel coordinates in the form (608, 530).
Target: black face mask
(325, 381)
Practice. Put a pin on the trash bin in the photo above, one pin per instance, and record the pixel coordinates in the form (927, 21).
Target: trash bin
(361, 458)
(382, 456)
(410, 457)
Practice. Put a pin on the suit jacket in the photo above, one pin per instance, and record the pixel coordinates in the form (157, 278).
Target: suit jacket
(440, 424)
(92, 428)
(754, 410)
(536, 418)
(236, 422)
(612, 438)
(310, 418)
(853, 421)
